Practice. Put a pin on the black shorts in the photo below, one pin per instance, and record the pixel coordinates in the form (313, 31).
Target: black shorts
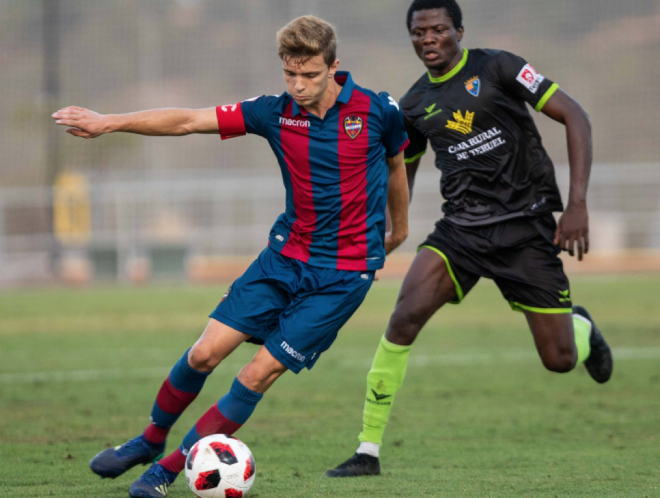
(519, 255)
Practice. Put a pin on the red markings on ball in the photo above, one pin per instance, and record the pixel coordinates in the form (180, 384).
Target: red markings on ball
(207, 480)
(249, 468)
(225, 452)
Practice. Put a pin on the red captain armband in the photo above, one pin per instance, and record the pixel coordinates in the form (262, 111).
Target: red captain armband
(230, 121)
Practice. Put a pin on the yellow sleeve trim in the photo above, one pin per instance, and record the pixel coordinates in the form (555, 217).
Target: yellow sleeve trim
(544, 100)
(414, 158)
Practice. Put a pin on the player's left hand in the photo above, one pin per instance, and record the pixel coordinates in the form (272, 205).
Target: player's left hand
(572, 229)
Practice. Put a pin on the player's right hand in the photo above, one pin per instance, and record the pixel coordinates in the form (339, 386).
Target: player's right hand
(392, 241)
(81, 122)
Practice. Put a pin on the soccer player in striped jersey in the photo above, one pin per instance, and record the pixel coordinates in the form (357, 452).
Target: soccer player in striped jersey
(340, 150)
(500, 192)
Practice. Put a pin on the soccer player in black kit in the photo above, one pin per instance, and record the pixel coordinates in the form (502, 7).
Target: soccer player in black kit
(500, 192)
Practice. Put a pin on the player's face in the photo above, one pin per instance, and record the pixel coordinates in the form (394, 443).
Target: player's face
(308, 81)
(436, 40)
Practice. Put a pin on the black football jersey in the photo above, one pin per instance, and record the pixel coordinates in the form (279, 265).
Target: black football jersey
(493, 164)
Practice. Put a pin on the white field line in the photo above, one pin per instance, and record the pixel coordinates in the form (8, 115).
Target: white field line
(514, 356)
(620, 354)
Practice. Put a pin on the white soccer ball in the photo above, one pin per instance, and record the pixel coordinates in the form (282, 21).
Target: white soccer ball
(220, 466)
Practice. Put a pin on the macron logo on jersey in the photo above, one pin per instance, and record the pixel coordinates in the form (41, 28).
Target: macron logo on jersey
(301, 123)
(529, 78)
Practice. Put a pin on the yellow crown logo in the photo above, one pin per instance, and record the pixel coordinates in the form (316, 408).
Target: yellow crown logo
(462, 124)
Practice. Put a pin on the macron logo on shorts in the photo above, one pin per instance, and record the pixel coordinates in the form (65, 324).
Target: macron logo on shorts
(292, 352)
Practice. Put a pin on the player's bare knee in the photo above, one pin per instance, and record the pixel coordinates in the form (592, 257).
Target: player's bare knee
(559, 360)
(202, 358)
(260, 373)
(405, 324)
(401, 332)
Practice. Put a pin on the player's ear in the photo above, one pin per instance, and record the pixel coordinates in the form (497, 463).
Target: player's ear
(459, 33)
(333, 69)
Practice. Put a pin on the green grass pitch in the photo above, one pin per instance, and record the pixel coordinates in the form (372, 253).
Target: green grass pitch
(478, 416)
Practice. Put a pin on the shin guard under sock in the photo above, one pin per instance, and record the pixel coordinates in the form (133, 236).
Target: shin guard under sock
(383, 381)
(177, 392)
(225, 417)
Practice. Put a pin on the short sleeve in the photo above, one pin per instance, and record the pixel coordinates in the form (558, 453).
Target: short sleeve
(417, 147)
(395, 138)
(248, 116)
(520, 80)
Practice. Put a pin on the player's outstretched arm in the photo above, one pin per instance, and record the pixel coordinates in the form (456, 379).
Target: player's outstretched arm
(397, 203)
(85, 123)
(573, 226)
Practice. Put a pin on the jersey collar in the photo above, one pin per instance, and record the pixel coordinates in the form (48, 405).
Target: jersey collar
(452, 73)
(345, 79)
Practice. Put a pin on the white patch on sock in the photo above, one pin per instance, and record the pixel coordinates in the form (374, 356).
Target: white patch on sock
(369, 449)
(580, 317)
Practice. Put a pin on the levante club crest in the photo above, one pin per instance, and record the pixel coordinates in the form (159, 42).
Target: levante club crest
(472, 86)
(353, 126)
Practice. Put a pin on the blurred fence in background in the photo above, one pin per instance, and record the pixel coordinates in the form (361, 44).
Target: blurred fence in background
(157, 204)
(177, 226)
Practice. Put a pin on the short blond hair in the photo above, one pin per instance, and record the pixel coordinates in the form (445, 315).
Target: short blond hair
(307, 37)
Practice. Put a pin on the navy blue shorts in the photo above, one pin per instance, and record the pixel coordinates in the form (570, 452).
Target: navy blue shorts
(295, 308)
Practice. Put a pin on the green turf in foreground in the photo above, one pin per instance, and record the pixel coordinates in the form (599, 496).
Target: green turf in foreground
(477, 416)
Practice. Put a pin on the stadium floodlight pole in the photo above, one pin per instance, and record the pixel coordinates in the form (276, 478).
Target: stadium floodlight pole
(2, 240)
(51, 87)
(51, 80)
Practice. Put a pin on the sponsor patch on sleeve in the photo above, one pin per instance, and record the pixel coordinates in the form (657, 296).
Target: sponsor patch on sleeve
(529, 78)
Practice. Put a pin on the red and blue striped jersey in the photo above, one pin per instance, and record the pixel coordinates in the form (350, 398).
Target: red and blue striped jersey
(334, 171)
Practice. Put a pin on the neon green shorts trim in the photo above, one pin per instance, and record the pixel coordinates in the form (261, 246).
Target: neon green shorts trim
(548, 311)
(457, 285)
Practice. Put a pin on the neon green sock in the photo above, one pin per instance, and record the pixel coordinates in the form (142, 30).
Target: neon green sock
(582, 330)
(383, 381)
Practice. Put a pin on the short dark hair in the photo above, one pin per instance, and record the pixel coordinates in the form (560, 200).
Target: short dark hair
(306, 37)
(453, 10)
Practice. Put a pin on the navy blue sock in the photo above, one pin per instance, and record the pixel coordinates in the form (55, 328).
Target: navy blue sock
(226, 416)
(177, 392)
